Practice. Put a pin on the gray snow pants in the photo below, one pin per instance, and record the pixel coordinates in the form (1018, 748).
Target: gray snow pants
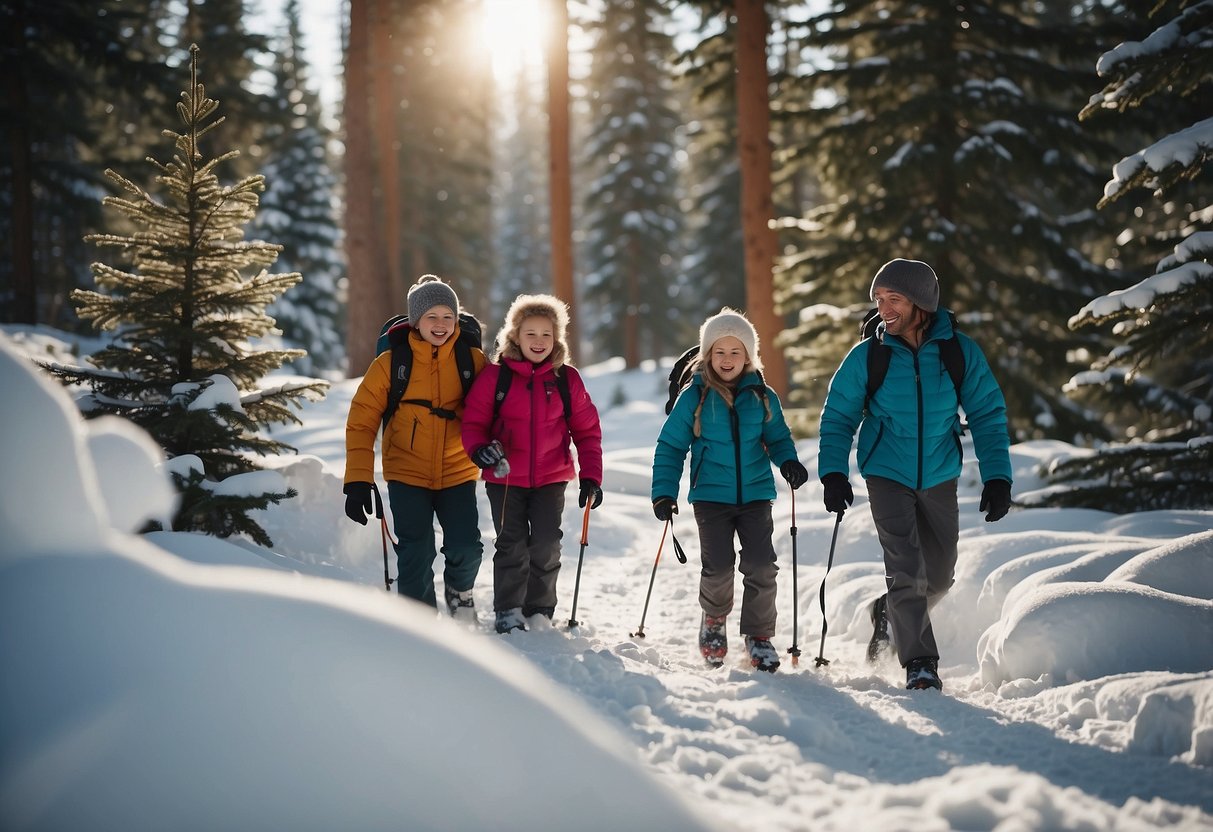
(918, 531)
(526, 562)
(753, 527)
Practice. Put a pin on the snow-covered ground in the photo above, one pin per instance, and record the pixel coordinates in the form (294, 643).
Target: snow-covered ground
(178, 681)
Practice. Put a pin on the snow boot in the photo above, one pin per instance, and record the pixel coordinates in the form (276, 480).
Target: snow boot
(460, 605)
(763, 654)
(546, 612)
(713, 641)
(923, 673)
(879, 642)
(510, 620)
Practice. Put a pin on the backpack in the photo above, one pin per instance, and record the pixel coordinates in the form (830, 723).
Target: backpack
(879, 355)
(681, 375)
(394, 336)
(506, 377)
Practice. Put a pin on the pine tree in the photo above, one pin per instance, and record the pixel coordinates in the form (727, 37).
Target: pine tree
(945, 132)
(181, 364)
(298, 210)
(631, 212)
(1162, 365)
(713, 266)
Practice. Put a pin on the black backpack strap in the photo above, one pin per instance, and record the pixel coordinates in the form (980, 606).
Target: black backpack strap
(954, 361)
(402, 365)
(879, 355)
(465, 364)
(505, 376)
(566, 398)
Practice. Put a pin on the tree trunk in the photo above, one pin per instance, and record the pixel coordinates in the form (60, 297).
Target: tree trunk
(367, 303)
(559, 169)
(757, 211)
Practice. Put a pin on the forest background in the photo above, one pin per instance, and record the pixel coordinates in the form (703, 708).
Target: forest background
(663, 159)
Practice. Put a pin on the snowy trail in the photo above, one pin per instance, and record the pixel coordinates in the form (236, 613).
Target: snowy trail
(843, 747)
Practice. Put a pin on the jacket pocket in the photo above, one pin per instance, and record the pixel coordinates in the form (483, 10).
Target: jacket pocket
(875, 444)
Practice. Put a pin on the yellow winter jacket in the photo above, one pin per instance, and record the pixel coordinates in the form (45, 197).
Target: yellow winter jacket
(419, 447)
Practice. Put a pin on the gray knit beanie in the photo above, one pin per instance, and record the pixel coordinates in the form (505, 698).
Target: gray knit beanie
(912, 278)
(429, 291)
(729, 322)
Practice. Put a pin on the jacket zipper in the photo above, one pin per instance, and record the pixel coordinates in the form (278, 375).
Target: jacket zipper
(918, 388)
(735, 426)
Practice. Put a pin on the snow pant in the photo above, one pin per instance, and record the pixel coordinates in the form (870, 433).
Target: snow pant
(526, 561)
(918, 531)
(753, 527)
(413, 512)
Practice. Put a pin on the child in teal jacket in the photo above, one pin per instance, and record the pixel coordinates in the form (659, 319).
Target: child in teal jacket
(733, 426)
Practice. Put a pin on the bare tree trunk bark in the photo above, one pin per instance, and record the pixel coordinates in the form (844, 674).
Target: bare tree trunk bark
(559, 169)
(757, 210)
(387, 160)
(368, 300)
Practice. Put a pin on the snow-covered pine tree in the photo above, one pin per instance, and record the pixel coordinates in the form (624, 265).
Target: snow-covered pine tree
(945, 132)
(181, 364)
(298, 212)
(1162, 365)
(631, 213)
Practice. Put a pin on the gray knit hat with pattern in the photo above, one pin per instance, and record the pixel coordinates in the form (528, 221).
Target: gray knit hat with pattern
(912, 278)
(429, 291)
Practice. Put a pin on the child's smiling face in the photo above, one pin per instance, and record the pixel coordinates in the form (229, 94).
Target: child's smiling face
(536, 338)
(728, 358)
(437, 325)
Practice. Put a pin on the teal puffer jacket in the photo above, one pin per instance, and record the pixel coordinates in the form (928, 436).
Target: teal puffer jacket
(911, 434)
(731, 459)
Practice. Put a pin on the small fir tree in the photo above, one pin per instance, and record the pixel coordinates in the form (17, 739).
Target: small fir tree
(181, 365)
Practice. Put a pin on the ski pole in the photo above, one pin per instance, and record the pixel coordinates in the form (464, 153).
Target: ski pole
(640, 630)
(585, 541)
(795, 648)
(387, 580)
(821, 660)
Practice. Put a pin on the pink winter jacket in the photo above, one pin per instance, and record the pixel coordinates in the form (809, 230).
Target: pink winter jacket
(531, 425)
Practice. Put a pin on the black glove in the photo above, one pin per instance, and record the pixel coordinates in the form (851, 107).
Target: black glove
(995, 499)
(591, 493)
(358, 501)
(794, 473)
(838, 493)
(664, 508)
(486, 456)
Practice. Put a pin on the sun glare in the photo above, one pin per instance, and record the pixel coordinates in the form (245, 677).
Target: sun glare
(514, 31)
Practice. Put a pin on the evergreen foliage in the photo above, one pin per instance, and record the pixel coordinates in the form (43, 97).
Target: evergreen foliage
(714, 263)
(631, 213)
(67, 68)
(1161, 369)
(298, 210)
(181, 365)
(945, 132)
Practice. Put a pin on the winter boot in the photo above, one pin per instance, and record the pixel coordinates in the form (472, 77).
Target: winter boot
(546, 612)
(509, 620)
(713, 642)
(923, 673)
(460, 605)
(763, 654)
(879, 643)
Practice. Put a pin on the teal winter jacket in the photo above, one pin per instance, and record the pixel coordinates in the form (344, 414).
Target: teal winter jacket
(731, 459)
(912, 431)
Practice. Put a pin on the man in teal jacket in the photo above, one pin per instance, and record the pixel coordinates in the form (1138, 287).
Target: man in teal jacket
(909, 453)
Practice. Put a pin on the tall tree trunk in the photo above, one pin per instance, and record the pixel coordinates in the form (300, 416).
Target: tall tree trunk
(384, 109)
(368, 299)
(757, 211)
(560, 175)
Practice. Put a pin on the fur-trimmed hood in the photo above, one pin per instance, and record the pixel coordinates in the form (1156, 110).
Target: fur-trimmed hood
(527, 306)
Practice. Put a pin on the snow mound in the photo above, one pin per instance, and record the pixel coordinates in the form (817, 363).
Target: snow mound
(1182, 567)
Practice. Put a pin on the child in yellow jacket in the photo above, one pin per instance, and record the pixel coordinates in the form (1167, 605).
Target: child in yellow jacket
(427, 471)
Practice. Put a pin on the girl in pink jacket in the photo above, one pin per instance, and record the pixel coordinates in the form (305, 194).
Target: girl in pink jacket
(518, 420)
